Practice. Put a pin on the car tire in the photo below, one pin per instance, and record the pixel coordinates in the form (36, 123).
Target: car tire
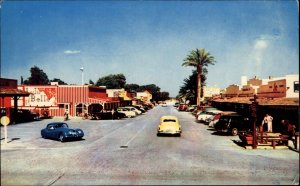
(61, 138)
(234, 131)
(157, 134)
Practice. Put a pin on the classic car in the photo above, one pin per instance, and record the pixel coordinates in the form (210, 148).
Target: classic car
(169, 125)
(107, 115)
(164, 104)
(183, 107)
(206, 114)
(127, 112)
(233, 124)
(216, 118)
(61, 131)
(137, 111)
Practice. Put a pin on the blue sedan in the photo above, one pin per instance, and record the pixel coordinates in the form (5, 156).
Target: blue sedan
(61, 131)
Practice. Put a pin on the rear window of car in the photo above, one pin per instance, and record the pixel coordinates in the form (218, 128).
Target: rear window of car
(169, 120)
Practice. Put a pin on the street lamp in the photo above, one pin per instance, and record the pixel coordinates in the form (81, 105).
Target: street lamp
(82, 75)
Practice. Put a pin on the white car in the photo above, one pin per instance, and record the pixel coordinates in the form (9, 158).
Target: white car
(206, 114)
(205, 110)
(137, 111)
(127, 112)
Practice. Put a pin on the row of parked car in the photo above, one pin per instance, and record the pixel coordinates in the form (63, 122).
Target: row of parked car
(121, 112)
(222, 121)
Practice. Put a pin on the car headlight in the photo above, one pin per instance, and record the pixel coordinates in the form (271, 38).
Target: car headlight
(79, 132)
(71, 132)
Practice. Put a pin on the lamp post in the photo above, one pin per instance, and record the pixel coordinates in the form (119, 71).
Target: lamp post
(82, 75)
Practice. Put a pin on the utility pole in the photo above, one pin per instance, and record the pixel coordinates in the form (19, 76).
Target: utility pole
(82, 81)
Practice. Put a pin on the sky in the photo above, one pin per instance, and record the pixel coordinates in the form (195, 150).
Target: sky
(147, 41)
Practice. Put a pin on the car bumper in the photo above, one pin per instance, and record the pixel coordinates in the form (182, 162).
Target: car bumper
(222, 130)
(70, 136)
(168, 132)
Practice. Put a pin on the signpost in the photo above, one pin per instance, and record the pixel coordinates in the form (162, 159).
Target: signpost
(5, 121)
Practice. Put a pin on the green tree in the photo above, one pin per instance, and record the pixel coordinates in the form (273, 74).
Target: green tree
(188, 90)
(60, 82)
(199, 58)
(38, 77)
(91, 82)
(112, 81)
(132, 87)
(153, 89)
(162, 96)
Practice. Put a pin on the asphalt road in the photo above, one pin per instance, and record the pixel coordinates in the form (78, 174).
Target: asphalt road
(128, 151)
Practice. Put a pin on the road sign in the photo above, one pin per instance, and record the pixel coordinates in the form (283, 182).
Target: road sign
(5, 120)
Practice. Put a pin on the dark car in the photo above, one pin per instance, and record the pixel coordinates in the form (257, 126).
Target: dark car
(61, 131)
(233, 124)
(108, 115)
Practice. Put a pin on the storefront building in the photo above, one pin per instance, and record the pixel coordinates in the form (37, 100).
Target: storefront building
(76, 100)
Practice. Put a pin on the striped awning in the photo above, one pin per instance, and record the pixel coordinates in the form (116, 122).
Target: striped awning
(9, 92)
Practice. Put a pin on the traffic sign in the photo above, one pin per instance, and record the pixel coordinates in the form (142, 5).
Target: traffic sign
(5, 120)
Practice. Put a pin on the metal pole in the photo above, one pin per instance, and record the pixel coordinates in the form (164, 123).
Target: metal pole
(82, 81)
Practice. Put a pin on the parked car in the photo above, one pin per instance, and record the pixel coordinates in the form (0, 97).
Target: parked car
(137, 111)
(206, 114)
(233, 124)
(139, 107)
(182, 107)
(127, 112)
(24, 115)
(207, 109)
(191, 108)
(108, 115)
(61, 131)
(176, 104)
(169, 125)
(216, 118)
(164, 104)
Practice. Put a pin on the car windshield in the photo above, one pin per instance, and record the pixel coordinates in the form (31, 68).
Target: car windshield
(62, 125)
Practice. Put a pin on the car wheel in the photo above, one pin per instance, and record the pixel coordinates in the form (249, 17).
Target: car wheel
(157, 134)
(61, 137)
(234, 131)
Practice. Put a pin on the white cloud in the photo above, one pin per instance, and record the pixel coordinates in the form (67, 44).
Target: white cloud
(260, 45)
(72, 52)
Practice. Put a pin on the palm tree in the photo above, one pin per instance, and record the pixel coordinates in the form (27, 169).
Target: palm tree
(199, 59)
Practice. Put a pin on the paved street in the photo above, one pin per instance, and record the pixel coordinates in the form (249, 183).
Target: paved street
(128, 151)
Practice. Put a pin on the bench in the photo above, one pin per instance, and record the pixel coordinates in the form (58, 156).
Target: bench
(274, 138)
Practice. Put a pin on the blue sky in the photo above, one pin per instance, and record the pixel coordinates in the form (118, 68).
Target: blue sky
(147, 41)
